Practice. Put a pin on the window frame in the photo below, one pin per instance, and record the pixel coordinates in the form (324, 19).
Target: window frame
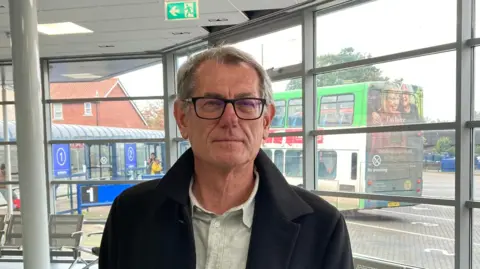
(85, 109)
(58, 108)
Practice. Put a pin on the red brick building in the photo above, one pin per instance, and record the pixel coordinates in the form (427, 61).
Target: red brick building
(124, 114)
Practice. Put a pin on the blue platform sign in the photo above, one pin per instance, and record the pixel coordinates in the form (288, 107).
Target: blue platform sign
(61, 160)
(130, 156)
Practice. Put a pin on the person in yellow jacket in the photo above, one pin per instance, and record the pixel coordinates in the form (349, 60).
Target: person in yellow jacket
(156, 167)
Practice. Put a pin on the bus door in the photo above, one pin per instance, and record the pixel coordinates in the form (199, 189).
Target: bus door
(327, 173)
(348, 178)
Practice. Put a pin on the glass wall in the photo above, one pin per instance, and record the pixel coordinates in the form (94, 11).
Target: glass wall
(106, 134)
(387, 125)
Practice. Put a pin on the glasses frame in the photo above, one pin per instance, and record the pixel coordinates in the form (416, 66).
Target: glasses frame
(194, 100)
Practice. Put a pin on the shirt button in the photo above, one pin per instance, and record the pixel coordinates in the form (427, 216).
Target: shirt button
(216, 224)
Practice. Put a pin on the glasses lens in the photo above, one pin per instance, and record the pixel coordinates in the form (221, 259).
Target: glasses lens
(212, 108)
(248, 108)
(209, 108)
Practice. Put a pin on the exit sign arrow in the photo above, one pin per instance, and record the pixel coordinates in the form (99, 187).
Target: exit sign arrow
(174, 11)
(181, 10)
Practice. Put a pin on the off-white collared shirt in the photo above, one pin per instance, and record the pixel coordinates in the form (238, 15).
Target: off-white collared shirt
(222, 241)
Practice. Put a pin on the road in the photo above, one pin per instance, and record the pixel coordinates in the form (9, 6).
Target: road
(421, 235)
(442, 185)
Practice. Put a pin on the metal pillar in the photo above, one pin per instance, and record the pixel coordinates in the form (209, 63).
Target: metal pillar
(171, 146)
(464, 137)
(6, 148)
(31, 157)
(309, 97)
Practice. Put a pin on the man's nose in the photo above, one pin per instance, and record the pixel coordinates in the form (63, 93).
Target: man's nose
(229, 116)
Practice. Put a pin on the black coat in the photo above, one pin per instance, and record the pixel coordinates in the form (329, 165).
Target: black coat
(149, 225)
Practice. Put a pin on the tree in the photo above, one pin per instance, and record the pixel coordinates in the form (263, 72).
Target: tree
(153, 114)
(353, 75)
(444, 145)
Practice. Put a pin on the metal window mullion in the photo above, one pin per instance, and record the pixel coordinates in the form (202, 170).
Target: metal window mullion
(473, 204)
(95, 182)
(391, 128)
(285, 72)
(473, 42)
(103, 99)
(383, 197)
(47, 128)
(106, 141)
(171, 146)
(308, 100)
(463, 136)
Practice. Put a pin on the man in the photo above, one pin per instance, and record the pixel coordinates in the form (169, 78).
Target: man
(223, 204)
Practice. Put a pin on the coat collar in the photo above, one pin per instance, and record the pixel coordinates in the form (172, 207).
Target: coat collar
(272, 186)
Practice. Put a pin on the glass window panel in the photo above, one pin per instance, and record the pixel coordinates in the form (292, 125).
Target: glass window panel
(288, 160)
(383, 27)
(295, 115)
(110, 120)
(475, 238)
(11, 120)
(415, 236)
(399, 92)
(288, 105)
(66, 200)
(105, 79)
(108, 161)
(183, 146)
(476, 78)
(266, 49)
(279, 159)
(416, 164)
(476, 164)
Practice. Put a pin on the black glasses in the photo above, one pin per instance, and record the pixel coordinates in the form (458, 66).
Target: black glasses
(211, 108)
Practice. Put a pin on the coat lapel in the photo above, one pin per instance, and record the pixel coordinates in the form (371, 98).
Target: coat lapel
(274, 230)
(173, 233)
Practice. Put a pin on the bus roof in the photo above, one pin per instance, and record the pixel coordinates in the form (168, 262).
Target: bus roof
(327, 90)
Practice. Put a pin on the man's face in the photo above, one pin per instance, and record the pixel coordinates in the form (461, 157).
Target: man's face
(227, 141)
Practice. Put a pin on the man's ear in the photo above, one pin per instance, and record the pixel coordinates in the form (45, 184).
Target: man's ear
(267, 119)
(179, 112)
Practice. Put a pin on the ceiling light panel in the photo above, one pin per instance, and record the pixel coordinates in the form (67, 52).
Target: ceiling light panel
(62, 28)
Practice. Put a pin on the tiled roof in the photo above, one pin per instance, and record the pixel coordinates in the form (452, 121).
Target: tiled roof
(82, 89)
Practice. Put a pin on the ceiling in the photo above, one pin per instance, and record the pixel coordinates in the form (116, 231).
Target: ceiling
(129, 26)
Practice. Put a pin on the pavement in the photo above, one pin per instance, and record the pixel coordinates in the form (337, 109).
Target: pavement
(421, 235)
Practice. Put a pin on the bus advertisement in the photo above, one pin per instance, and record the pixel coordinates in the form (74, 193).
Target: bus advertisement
(387, 163)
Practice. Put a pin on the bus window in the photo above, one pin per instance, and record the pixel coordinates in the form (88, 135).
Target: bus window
(354, 165)
(269, 153)
(279, 118)
(336, 110)
(278, 160)
(293, 163)
(295, 113)
(327, 164)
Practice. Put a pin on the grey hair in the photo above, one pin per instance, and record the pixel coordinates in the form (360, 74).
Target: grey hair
(220, 54)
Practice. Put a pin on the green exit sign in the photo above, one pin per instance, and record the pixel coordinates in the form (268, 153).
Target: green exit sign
(181, 10)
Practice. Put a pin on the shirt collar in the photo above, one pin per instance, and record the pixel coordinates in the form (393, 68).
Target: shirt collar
(247, 207)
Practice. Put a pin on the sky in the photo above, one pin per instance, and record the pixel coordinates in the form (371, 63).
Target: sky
(378, 28)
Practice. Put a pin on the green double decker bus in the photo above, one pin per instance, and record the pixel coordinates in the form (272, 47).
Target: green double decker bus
(381, 163)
